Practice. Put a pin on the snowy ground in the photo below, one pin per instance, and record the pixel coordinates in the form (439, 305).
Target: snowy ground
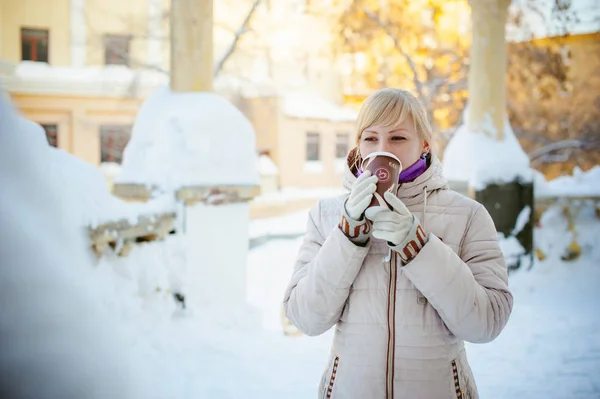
(69, 322)
(549, 349)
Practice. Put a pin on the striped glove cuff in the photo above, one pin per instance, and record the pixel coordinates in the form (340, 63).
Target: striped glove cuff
(415, 240)
(358, 231)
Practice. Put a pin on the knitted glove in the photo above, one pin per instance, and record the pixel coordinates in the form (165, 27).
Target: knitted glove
(353, 223)
(400, 228)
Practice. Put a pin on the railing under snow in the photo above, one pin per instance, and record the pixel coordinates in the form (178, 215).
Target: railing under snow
(120, 235)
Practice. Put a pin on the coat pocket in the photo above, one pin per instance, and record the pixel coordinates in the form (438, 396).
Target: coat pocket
(330, 378)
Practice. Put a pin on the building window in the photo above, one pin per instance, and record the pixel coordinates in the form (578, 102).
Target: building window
(113, 139)
(51, 134)
(312, 146)
(116, 49)
(34, 44)
(341, 145)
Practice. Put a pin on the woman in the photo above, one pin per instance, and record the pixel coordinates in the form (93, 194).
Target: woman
(402, 301)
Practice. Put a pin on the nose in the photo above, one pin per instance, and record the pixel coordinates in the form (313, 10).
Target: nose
(384, 146)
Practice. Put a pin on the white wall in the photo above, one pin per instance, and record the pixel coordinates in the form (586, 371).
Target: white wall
(217, 251)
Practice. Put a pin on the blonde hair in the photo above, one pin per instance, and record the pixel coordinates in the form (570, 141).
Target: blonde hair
(388, 107)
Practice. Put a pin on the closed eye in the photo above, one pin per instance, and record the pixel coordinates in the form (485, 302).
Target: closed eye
(398, 138)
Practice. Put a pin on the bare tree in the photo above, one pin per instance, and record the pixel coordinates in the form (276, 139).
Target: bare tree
(236, 38)
(422, 59)
(125, 54)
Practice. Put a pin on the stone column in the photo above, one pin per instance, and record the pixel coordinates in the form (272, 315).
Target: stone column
(191, 45)
(487, 74)
(155, 33)
(78, 33)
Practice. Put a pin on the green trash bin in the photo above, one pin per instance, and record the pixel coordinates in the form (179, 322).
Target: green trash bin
(505, 202)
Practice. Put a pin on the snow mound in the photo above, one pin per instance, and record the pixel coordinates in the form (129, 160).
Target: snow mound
(57, 341)
(85, 193)
(189, 139)
(481, 160)
(267, 167)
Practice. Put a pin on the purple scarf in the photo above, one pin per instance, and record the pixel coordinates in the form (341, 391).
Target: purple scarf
(413, 171)
(410, 174)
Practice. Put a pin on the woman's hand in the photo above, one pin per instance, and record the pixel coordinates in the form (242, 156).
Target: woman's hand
(399, 227)
(353, 224)
(390, 225)
(361, 195)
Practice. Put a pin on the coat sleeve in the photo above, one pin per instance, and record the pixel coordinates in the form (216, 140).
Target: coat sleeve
(470, 291)
(325, 269)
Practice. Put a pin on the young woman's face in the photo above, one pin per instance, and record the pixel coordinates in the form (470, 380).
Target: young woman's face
(402, 140)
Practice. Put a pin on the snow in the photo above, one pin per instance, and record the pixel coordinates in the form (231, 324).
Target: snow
(266, 166)
(247, 88)
(217, 250)
(580, 184)
(70, 322)
(308, 106)
(109, 74)
(481, 160)
(110, 80)
(511, 248)
(541, 19)
(551, 345)
(57, 341)
(522, 220)
(295, 193)
(536, 356)
(189, 139)
(110, 169)
(91, 201)
(113, 80)
(290, 224)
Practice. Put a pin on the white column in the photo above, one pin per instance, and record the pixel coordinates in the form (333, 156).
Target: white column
(78, 33)
(487, 73)
(191, 45)
(217, 255)
(155, 33)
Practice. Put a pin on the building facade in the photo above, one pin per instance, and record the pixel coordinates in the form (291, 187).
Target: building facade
(82, 68)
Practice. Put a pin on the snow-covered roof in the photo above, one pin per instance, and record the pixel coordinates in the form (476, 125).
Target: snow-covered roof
(110, 80)
(226, 84)
(189, 139)
(540, 20)
(310, 106)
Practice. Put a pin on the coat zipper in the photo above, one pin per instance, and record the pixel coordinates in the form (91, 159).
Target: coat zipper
(391, 347)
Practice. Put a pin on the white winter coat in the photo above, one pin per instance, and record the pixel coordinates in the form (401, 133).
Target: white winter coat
(399, 330)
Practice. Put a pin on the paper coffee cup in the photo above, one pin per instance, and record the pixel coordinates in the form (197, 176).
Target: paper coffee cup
(387, 167)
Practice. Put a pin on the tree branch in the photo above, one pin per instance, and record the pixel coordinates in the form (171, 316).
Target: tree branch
(413, 67)
(544, 154)
(242, 29)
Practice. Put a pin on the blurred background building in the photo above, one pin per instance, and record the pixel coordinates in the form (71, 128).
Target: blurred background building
(298, 70)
